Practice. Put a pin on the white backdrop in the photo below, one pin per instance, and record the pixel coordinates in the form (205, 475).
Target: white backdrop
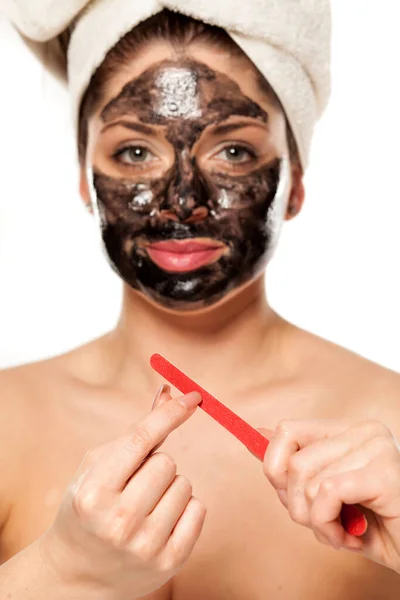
(336, 271)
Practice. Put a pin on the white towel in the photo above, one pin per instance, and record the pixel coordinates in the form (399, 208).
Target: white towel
(288, 41)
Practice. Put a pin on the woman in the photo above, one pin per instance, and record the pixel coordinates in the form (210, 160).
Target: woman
(190, 158)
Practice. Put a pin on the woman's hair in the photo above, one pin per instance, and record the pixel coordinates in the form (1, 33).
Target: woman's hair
(180, 31)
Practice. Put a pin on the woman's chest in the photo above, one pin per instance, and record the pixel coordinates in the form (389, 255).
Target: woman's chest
(249, 548)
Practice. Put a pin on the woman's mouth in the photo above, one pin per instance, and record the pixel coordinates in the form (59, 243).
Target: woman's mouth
(182, 256)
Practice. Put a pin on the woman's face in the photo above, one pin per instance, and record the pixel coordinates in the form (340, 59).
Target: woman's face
(188, 172)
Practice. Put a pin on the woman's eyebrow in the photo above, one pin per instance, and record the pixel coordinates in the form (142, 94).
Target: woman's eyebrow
(229, 127)
(133, 126)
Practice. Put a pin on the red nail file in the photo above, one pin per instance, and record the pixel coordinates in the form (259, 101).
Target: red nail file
(354, 522)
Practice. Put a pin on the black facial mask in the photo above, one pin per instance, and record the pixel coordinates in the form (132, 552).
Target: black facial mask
(242, 214)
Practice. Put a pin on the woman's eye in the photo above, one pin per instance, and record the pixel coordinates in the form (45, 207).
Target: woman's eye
(236, 154)
(134, 155)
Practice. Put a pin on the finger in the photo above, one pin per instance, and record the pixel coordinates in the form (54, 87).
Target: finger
(288, 438)
(374, 487)
(332, 494)
(145, 489)
(321, 538)
(359, 458)
(283, 497)
(186, 533)
(292, 436)
(127, 452)
(345, 451)
(163, 395)
(169, 509)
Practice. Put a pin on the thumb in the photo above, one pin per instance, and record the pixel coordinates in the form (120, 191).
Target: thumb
(268, 433)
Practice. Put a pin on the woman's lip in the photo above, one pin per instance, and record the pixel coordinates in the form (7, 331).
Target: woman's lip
(182, 256)
(186, 246)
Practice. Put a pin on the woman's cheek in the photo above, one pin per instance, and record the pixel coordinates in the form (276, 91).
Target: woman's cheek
(243, 213)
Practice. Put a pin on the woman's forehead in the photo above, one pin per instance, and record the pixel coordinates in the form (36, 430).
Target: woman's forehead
(159, 70)
(182, 89)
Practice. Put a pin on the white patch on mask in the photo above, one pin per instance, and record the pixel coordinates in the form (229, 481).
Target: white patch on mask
(224, 200)
(178, 88)
(277, 210)
(186, 286)
(97, 207)
(142, 199)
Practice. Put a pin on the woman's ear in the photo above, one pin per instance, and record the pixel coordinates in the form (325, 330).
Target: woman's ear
(84, 189)
(297, 193)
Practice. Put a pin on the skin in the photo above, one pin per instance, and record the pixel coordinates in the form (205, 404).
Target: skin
(316, 466)
(259, 365)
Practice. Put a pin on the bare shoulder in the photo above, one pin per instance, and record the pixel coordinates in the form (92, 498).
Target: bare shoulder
(18, 387)
(29, 396)
(16, 429)
(361, 387)
(83, 362)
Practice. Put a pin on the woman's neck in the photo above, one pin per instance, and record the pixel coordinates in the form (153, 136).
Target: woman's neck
(231, 346)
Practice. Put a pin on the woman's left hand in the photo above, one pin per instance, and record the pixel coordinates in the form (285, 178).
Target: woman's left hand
(317, 465)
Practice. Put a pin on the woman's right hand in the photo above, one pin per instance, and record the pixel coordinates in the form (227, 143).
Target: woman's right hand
(128, 522)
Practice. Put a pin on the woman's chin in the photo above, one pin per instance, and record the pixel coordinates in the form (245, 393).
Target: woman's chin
(188, 306)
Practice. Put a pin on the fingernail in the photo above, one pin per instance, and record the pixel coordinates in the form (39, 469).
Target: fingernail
(190, 400)
(354, 548)
(164, 389)
(337, 547)
(283, 496)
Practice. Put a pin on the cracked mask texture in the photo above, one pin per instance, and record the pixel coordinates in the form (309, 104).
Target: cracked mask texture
(244, 211)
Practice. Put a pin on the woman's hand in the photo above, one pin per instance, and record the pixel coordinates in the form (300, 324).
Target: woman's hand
(317, 465)
(128, 522)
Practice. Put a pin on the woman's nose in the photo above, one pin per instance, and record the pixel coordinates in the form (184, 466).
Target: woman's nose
(187, 194)
(190, 215)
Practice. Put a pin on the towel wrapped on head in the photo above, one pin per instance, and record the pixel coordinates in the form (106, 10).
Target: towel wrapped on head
(287, 40)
